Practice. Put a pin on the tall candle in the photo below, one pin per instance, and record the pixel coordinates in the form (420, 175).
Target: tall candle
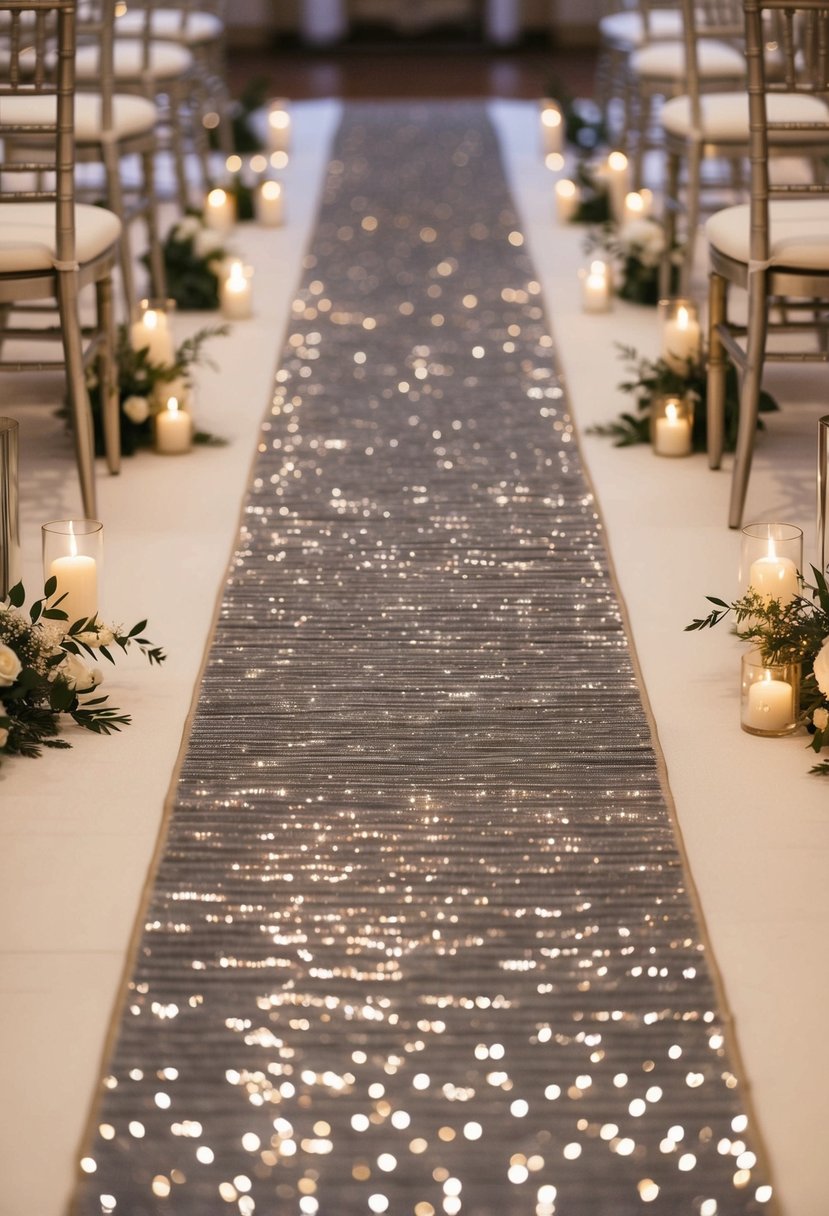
(236, 293)
(552, 129)
(77, 581)
(219, 211)
(774, 577)
(152, 331)
(173, 430)
(638, 204)
(279, 128)
(567, 199)
(595, 288)
(672, 433)
(681, 340)
(770, 705)
(617, 177)
(269, 204)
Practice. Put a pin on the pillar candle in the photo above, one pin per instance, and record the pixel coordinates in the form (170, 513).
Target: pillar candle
(617, 178)
(595, 287)
(672, 433)
(269, 211)
(219, 211)
(770, 705)
(552, 130)
(279, 129)
(638, 204)
(173, 430)
(77, 579)
(567, 200)
(681, 340)
(236, 293)
(152, 330)
(774, 577)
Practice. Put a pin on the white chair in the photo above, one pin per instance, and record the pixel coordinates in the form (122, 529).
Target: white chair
(709, 131)
(777, 246)
(622, 30)
(50, 247)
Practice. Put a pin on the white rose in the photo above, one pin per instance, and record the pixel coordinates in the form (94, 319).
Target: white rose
(137, 409)
(77, 674)
(820, 719)
(187, 228)
(207, 241)
(102, 636)
(821, 668)
(10, 666)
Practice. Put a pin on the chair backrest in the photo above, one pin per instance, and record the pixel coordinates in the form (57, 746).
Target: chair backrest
(787, 50)
(38, 54)
(721, 20)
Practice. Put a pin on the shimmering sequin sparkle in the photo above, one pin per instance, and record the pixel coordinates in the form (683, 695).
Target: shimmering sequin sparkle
(420, 941)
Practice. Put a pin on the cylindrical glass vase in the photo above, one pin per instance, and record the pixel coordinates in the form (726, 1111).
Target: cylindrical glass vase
(681, 333)
(771, 556)
(73, 551)
(150, 330)
(769, 697)
(672, 425)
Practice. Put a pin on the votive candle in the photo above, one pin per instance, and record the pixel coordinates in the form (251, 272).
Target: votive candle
(173, 429)
(236, 292)
(219, 211)
(269, 204)
(151, 331)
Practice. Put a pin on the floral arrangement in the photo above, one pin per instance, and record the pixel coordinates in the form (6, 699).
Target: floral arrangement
(193, 254)
(584, 125)
(144, 387)
(649, 379)
(637, 246)
(793, 632)
(45, 676)
(594, 199)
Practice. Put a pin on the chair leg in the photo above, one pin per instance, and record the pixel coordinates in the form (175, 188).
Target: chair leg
(158, 278)
(670, 203)
(749, 395)
(77, 392)
(115, 202)
(108, 375)
(693, 185)
(715, 388)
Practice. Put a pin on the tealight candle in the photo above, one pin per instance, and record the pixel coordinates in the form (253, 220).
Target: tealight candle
(236, 292)
(672, 434)
(617, 178)
(552, 129)
(567, 200)
(151, 331)
(770, 706)
(219, 211)
(595, 288)
(773, 577)
(173, 429)
(279, 127)
(269, 210)
(75, 570)
(681, 339)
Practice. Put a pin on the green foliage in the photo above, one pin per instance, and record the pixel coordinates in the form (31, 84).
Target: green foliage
(44, 677)
(649, 379)
(192, 257)
(584, 126)
(793, 632)
(594, 200)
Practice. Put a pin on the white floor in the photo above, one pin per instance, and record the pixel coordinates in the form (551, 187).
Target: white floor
(79, 828)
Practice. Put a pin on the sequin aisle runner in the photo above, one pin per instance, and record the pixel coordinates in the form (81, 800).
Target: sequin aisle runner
(420, 941)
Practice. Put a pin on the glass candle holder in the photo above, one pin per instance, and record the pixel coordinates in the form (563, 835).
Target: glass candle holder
(236, 292)
(771, 554)
(173, 429)
(672, 425)
(219, 210)
(596, 287)
(568, 198)
(150, 330)
(73, 551)
(279, 126)
(769, 696)
(681, 333)
(552, 128)
(269, 204)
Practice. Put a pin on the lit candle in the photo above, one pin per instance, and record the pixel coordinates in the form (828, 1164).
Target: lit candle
(173, 429)
(219, 211)
(617, 178)
(269, 204)
(567, 200)
(773, 577)
(681, 340)
(552, 129)
(152, 331)
(672, 432)
(638, 204)
(77, 581)
(236, 293)
(595, 288)
(770, 705)
(279, 128)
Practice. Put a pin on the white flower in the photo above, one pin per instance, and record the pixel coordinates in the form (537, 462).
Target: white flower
(206, 242)
(821, 668)
(10, 666)
(187, 228)
(102, 636)
(78, 674)
(137, 409)
(820, 719)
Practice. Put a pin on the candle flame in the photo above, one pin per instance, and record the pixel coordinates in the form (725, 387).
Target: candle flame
(236, 274)
(634, 203)
(258, 163)
(682, 317)
(278, 119)
(554, 161)
(551, 117)
(566, 188)
(772, 553)
(672, 411)
(617, 161)
(598, 269)
(271, 190)
(172, 405)
(151, 319)
(233, 164)
(73, 543)
(216, 198)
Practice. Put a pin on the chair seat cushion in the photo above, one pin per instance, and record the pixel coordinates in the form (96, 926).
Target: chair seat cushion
(178, 25)
(666, 60)
(725, 117)
(628, 29)
(799, 233)
(27, 235)
(131, 115)
(167, 61)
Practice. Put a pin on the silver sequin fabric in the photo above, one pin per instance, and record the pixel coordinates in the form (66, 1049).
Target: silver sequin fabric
(420, 941)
